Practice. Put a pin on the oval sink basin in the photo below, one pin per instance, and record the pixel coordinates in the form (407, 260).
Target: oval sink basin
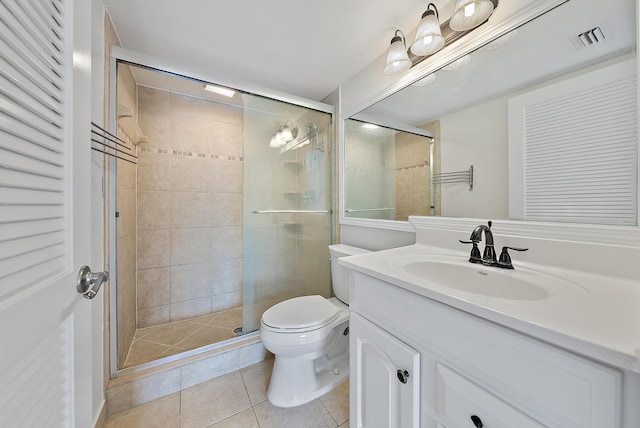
(458, 273)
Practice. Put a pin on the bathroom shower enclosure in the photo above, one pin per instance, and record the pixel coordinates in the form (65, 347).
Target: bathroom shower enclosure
(222, 209)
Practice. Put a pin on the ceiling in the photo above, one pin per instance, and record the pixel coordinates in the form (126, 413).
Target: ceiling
(302, 48)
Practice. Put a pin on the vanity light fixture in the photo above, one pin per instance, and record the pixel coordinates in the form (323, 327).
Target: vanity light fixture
(397, 57)
(429, 38)
(220, 90)
(468, 14)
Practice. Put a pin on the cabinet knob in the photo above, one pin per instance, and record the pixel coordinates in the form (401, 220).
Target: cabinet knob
(476, 421)
(403, 376)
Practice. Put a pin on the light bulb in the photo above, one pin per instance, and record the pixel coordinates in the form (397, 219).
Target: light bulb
(469, 9)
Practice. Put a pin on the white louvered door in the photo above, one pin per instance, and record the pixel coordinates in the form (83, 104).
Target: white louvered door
(45, 326)
(573, 149)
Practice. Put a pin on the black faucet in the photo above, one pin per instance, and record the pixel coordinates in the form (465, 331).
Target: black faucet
(489, 256)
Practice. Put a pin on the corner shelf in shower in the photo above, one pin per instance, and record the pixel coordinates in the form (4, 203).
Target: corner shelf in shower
(293, 164)
(292, 193)
(291, 224)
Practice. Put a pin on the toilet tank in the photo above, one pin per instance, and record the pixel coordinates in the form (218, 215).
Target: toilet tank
(339, 274)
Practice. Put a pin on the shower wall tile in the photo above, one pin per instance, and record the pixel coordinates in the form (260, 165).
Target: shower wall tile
(227, 176)
(191, 174)
(226, 138)
(126, 293)
(419, 203)
(190, 282)
(148, 317)
(191, 134)
(153, 209)
(226, 209)
(154, 248)
(226, 242)
(157, 127)
(190, 308)
(126, 174)
(186, 106)
(190, 246)
(126, 206)
(403, 206)
(154, 171)
(419, 180)
(224, 301)
(227, 113)
(190, 210)
(226, 276)
(154, 287)
(154, 100)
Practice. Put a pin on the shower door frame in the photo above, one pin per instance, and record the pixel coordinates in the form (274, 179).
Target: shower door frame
(119, 54)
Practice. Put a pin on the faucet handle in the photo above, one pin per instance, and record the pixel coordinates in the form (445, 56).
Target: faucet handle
(514, 249)
(505, 259)
(475, 251)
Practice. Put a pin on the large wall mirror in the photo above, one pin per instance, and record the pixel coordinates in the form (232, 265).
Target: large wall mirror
(546, 115)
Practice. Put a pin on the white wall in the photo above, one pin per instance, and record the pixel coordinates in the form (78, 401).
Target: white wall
(476, 136)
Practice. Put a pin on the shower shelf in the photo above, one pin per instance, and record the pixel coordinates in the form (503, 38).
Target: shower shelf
(291, 224)
(292, 193)
(294, 164)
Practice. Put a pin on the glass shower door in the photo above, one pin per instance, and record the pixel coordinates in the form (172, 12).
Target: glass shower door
(287, 197)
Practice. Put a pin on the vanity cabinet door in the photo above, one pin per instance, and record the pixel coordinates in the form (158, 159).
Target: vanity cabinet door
(385, 388)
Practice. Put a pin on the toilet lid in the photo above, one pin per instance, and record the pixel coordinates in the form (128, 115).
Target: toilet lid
(300, 312)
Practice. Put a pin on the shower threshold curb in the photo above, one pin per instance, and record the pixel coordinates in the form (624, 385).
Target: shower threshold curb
(138, 385)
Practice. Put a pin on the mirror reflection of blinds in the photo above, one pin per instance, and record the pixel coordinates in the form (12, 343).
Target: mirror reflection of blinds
(32, 131)
(580, 150)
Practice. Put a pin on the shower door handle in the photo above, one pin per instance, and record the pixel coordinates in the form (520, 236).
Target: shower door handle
(88, 283)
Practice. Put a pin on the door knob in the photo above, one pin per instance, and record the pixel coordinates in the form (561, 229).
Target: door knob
(88, 283)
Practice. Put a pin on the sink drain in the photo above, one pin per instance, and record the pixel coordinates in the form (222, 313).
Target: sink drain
(237, 331)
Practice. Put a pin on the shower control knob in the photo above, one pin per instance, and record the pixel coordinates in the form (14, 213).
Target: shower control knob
(403, 376)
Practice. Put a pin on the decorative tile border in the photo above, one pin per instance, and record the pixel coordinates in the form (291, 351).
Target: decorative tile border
(189, 154)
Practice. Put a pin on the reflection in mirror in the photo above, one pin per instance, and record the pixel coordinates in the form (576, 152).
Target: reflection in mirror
(390, 173)
(546, 114)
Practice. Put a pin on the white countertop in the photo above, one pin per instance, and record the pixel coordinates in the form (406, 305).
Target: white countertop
(595, 315)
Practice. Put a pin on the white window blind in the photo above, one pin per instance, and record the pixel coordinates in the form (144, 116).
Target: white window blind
(32, 152)
(577, 149)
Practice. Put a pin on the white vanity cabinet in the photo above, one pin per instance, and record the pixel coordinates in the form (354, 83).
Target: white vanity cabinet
(468, 372)
(385, 378)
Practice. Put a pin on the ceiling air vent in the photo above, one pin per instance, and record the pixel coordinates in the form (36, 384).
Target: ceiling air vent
(591, 37)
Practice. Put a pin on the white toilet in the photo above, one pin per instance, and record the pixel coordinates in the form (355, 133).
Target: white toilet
(309, 337)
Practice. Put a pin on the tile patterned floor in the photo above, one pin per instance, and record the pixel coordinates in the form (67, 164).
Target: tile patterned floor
(168, 339)
(236, 400)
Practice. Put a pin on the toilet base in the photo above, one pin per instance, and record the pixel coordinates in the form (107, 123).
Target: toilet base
(296, 381)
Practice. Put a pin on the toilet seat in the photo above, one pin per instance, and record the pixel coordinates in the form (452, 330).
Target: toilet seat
(300, 314)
